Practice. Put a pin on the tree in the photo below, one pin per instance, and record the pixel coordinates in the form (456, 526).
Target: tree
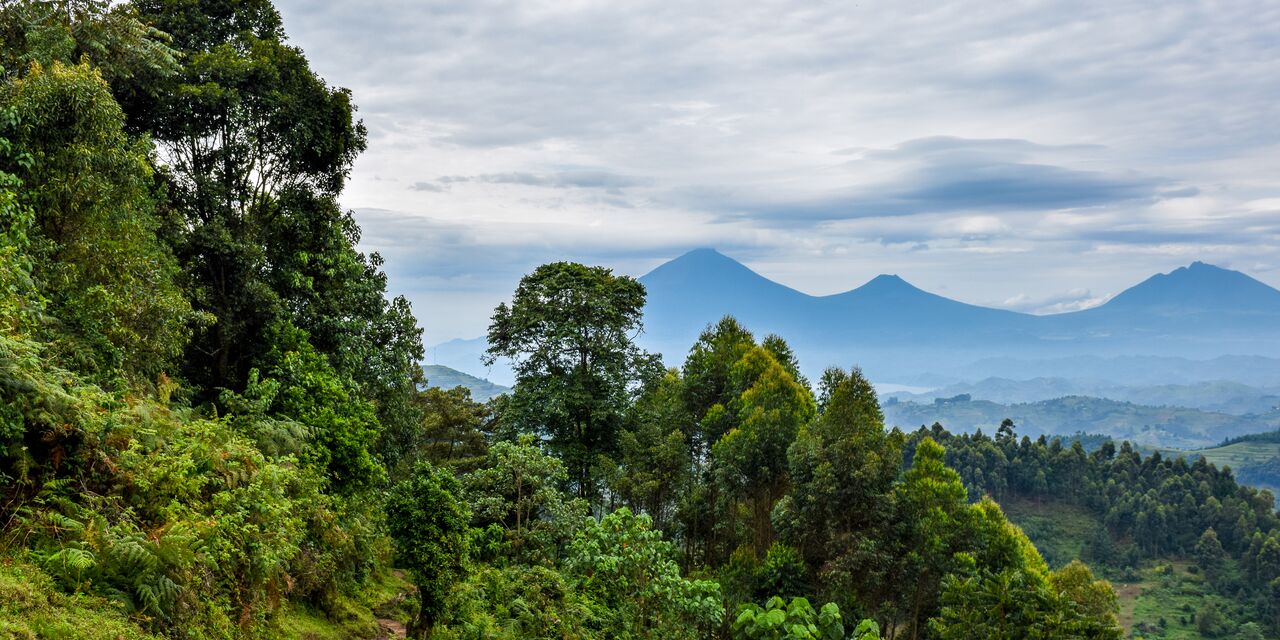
(932, 503)
(452, 429)
(106, 277)
(1209, 620)
(343, 425)
(1209, 554)
(842, 468)
(750, 461)
(626, 566)
(1091, 604)
(518, 487)
(429, 524)
(256, 148)
(132, 56)
(569, 332)
(654, 457)
(707, 380)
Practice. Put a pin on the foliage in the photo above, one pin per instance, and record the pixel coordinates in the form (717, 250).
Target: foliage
(569, 333)
(429, 524)
(797, 620)
(843, 466)
(626, 567)
(517, 487)
(106, 277)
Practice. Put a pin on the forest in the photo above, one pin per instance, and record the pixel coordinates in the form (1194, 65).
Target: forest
(214, 422)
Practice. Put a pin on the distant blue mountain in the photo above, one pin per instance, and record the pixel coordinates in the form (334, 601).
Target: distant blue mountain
(898, 332)
(894, 328)
(1196, 289)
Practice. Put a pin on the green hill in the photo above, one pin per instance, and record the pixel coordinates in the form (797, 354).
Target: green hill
(445, 378)
(1255, 459)
(1155, 427)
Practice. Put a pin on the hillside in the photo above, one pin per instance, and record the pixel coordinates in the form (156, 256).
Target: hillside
(1254, 458)
(445, 378)
(1147, 425)
(1221, 396)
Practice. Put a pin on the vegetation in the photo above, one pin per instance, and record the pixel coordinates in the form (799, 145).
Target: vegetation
(213, 421)
(1149, 426)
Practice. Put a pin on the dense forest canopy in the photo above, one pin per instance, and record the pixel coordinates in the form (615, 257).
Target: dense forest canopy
(213, 421)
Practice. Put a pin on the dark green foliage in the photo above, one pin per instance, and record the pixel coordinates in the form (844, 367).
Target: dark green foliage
(569, 333)
(843, 466)
(517, 488)
(106, 277)
(429, 523)
(749, 462)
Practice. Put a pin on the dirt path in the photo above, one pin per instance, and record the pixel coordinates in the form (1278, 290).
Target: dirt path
(391, 629)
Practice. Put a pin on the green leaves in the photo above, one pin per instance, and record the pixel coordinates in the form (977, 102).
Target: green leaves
(631, 571)
(569, 332)
(430, 526)
(796, 620)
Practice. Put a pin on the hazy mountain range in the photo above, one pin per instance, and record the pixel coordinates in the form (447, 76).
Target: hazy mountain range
(1172, 328)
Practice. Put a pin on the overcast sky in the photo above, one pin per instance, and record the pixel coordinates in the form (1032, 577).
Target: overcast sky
(1038, 156)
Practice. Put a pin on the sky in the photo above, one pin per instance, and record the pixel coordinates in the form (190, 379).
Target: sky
(1033, 155)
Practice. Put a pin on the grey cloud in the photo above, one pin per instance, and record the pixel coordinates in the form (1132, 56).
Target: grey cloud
(609, 182)
(946, 174)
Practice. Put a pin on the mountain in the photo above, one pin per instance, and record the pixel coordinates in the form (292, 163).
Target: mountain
(1198, 323)
(1176, 427)
(464, 356)
(894, 329)
(1198, 288)
(445, 378)
(1219, 396)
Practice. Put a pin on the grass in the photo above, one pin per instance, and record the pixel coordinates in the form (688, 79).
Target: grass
(1241, 457)
(31, 607)
(1241, 454)
(1170, 591)
(1058, 530)
(383, 597)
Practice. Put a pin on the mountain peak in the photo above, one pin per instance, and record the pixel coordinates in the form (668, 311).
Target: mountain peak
(889, 284)
(1199, 286)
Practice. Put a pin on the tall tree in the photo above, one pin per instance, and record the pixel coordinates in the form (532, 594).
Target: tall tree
(843, 467)
(707, 382)
(750, 461)
(570, 333)
(256, 148)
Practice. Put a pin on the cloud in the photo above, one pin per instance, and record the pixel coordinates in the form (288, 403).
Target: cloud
(1072, 300)
(948, 174)
(978, 148)
(608, 182)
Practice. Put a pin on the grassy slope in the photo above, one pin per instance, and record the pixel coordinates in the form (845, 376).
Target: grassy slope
(1163, 590)
(1059, 530)
(1241, 457)
(31, 607)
